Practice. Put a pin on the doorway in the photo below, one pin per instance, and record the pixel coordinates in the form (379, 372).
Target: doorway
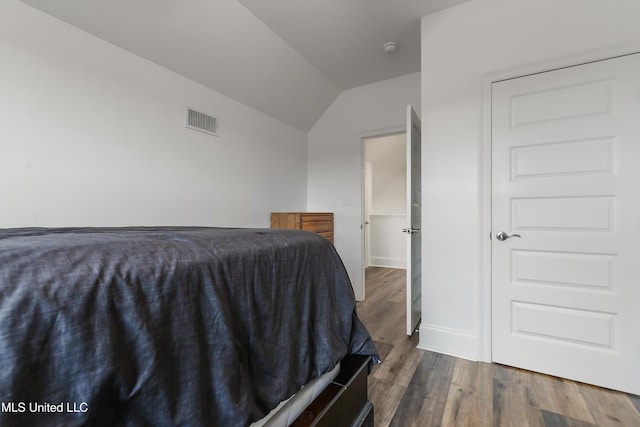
(385, 204)
(404, 216)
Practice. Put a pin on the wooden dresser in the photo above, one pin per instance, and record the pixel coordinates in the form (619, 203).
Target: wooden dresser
(318, 222)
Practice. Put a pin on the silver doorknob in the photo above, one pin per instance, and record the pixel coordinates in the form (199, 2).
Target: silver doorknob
(502, 236)
(410, 230)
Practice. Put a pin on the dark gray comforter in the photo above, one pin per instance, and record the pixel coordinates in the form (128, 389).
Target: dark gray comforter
(167, 326)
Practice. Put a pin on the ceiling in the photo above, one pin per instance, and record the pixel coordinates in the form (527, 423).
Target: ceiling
(287, 58)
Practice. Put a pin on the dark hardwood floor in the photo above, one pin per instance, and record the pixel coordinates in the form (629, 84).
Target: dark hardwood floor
(414, 387)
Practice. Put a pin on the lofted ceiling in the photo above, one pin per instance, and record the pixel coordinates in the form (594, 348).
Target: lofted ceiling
(287, 58)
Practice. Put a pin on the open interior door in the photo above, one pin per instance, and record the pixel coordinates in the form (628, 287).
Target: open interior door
(414, 214)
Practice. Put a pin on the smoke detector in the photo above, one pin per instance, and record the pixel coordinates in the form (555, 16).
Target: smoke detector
(390, 47)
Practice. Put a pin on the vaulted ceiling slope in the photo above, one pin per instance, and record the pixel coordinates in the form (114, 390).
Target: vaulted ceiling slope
(287, 58)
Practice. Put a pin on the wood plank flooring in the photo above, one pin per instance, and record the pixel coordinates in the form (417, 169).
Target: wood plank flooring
(419, 388)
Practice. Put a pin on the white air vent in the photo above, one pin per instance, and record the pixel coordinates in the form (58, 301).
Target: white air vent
(202, 122)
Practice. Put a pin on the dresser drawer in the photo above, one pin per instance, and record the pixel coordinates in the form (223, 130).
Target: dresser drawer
(317, 222)
(317, 226)
(327, 235)
(316, 217)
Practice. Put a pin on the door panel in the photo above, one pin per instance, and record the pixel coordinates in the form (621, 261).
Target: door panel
(565, 177)
(595, 213)
(368, 196)
(414, 219)
(591, 156)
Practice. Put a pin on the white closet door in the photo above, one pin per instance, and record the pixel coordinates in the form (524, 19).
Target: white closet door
(566, 189)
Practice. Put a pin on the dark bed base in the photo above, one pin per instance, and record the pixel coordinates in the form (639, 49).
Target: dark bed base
(344, 402)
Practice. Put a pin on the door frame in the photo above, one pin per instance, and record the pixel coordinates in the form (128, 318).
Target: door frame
(366, 210)
(485, 168)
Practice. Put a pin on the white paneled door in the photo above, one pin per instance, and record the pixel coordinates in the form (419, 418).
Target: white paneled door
(566, 223)
(414, 219)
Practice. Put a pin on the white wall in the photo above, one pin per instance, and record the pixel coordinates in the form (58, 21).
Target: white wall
(335, 158)
(461, 48)
(388, 242)
(91, 134)
(387, 155)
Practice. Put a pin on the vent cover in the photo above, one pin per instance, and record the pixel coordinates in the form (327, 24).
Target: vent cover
(202, 122)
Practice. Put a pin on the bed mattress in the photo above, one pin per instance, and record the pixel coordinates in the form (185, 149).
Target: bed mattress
(167, 326)
(288, 410)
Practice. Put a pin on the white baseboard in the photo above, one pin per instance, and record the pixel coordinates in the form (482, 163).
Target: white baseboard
(449, 341)
(378, 261)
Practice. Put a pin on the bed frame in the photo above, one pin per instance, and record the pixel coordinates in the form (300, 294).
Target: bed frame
(344, 401)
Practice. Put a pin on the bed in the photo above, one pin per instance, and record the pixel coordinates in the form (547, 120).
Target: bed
(173, 326)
